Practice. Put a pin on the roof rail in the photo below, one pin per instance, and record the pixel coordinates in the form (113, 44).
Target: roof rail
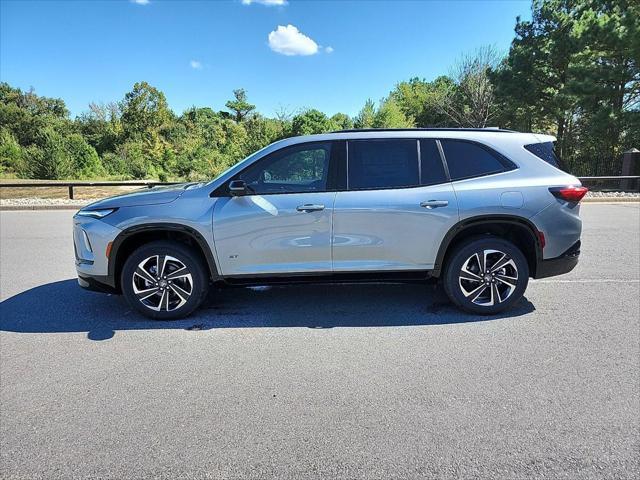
(429, 129)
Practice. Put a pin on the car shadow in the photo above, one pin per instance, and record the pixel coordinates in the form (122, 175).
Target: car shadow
(63, 307)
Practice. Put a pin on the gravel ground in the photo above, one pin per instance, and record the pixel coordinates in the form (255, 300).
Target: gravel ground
(613, 195)
(351, 381)
(41, 202)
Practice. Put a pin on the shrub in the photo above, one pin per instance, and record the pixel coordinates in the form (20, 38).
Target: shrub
(11, 153)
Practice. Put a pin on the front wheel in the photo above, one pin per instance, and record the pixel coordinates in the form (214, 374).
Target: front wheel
(486, 275)
(164, 280)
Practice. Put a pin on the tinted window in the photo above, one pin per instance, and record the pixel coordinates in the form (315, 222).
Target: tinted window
(383, 164)
(297, 169)
(466, 159)
(544, 151)
(432, 169)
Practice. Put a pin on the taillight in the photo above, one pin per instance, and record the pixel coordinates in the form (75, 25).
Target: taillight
(570, 194)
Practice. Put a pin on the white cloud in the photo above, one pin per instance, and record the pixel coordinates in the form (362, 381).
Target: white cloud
(195, 64)
(290, 41)
(269, 3)
(141, 2)
(328, 49)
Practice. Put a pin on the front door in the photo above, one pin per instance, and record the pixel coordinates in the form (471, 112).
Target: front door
(283, 224)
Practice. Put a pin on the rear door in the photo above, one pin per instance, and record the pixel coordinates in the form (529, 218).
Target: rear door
(283, 224)
(397, 208)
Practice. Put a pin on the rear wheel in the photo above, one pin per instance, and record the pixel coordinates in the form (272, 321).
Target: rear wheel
(164, 280)
(486, 275)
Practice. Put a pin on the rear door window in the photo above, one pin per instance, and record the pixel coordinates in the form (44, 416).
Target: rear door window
(377, 164)
(466, 159)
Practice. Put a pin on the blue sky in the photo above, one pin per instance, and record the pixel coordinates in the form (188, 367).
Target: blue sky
(330, 55)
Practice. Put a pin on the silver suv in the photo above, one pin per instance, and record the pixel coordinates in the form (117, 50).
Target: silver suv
(482, 210)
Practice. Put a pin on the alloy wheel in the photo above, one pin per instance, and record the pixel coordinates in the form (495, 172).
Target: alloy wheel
(488, 277)
(162, 283)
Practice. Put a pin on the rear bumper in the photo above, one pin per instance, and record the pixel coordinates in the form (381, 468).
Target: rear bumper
(559, 265)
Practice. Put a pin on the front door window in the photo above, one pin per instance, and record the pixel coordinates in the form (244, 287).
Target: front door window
(294, 170)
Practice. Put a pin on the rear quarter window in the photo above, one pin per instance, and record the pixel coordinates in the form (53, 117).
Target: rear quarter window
(467, 160)
(544, 151)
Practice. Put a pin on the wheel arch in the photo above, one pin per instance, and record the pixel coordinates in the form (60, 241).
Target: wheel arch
(518, 230)
(133, 237)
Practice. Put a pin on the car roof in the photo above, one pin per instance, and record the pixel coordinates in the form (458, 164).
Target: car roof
(483, 135)
(425, 129)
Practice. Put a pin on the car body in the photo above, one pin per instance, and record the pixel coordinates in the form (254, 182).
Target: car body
(351, 205)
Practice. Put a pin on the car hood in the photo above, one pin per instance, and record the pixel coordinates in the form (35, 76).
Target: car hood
(148, 196)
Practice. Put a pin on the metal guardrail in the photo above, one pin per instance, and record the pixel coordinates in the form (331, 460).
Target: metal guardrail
(618, 177)
(72, 185)
(618, 183)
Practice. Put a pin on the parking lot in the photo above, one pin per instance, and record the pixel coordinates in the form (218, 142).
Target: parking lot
(367, 381)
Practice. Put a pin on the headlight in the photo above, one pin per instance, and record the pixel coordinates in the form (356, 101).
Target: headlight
(96, 213)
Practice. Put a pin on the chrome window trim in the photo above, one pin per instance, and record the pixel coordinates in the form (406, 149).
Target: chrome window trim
(419, 161)
(443, 159)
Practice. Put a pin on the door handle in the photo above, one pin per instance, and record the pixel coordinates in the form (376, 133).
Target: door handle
(309, 207)
(434, 203)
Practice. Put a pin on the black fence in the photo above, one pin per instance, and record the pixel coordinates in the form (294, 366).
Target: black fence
(623, 165)
(71, 185)
(594, 167)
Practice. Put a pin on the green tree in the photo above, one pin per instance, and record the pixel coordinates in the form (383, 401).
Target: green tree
(144, 111)
(101, 127)
(342, 121)
(390, 115)
(49, 159)
(366, 116)
(146, 119)
(573, 70)
(85, 162)
(470, 101)
(239, 106)
(262, 131)
(422, 100)
(310, 122)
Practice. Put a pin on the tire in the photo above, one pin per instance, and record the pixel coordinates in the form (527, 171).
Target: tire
(486, 294)
(176, 293)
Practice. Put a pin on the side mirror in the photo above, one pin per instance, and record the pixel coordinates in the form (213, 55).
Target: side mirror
(237, 188)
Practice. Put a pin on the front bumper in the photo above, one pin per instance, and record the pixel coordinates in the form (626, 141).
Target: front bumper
(96, 284)
(559, 265)
(91, 239)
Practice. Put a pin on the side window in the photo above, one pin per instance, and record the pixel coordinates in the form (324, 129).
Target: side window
(382, 164)
(297, 169)
(466, 159)
(431, 167)
(545, 151)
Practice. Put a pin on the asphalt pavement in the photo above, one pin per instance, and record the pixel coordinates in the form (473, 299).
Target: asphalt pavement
(351, 381)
